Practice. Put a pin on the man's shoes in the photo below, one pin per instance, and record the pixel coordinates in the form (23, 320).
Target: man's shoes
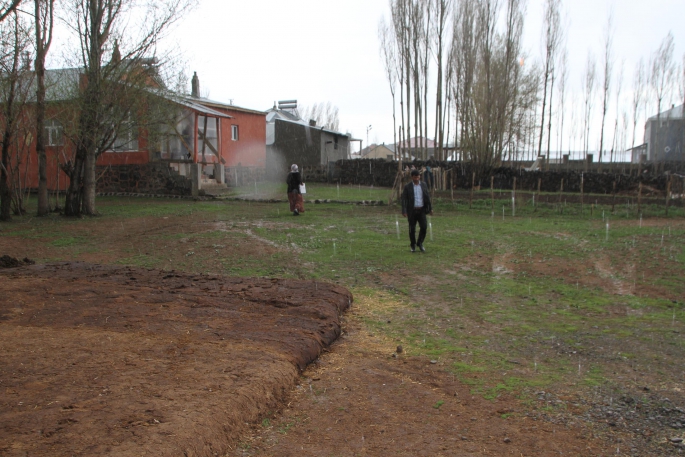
(413, 248)
(421, 248)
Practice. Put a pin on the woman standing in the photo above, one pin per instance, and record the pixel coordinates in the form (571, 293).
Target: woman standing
(294, 196)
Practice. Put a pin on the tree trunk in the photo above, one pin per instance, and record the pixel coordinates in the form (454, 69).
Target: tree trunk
(5, 195)
(72, 202)
(89, 186)
(43, 203)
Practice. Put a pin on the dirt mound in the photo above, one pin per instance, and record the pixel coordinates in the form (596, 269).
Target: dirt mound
(10, 262)
(121, 361)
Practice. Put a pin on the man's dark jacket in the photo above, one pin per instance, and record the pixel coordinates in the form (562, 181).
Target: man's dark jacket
(408, 198)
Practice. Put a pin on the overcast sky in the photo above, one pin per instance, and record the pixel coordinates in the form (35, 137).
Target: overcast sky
(257, 52)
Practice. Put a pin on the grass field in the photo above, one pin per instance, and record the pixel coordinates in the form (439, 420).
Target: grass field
(550, 297)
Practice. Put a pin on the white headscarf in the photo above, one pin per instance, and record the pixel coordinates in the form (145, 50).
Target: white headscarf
(293, 168)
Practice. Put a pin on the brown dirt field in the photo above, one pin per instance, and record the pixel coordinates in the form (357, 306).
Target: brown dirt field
(102, 360)
(122, 361)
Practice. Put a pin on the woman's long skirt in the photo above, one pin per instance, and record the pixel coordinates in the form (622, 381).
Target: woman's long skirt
(296, 201)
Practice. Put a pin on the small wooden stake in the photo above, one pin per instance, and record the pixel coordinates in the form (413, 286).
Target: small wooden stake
(668, 192)
(513, 192)
(492, 192)
(582, 185)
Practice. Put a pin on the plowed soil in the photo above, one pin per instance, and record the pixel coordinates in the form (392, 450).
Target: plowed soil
(121, 361)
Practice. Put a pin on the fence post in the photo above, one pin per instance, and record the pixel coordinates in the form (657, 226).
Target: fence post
(668, 192)
(513, 198)
(561, 193)
(492, 192)
(453, 181)
(473, 183)
(613, 200)
(639, 198)
(535, 206)
(582, 194)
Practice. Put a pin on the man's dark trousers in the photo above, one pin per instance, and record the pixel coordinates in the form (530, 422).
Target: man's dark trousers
(414, 216)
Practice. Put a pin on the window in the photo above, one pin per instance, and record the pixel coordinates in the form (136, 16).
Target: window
(335, 144)
(177, 140)
(234, 132)
(127, 137)
(54, 133)
(207, 139)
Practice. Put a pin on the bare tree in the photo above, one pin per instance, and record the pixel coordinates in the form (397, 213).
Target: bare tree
(442, 7)
(563, 81)
(661, 80)
(615, 141)
(323, 114)
(496, 93)
(608, 62)
(481, 76)
(112, 93)
(639, 81)
(400, 10)
(552, 38)
(7, 8)
(588, 100)
(14, 42)
(389, 57)
(418, 40)
(426, 49)
(43, 22)
(681, 89)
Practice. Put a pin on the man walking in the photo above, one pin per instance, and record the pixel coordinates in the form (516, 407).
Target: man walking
(416, 203)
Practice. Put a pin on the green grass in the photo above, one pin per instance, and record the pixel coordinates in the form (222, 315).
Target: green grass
(315, 191)
(502, 302)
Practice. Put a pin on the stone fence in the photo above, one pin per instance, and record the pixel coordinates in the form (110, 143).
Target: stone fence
(459, 175)
(152, 178)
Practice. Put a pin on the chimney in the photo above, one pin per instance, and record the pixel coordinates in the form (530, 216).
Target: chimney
(312, 122)
(195, 86)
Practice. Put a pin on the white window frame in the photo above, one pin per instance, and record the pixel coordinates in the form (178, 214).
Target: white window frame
(234, 132)
(54, 132)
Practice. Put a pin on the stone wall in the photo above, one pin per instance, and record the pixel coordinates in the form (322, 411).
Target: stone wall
(152, 178)
(382, 173)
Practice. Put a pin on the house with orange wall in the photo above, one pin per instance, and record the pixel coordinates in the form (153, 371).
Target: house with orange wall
(209, 143)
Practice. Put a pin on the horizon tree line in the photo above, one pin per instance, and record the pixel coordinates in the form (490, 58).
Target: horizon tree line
(493, 103)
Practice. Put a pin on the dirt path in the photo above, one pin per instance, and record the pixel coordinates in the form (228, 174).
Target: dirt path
(363, 399)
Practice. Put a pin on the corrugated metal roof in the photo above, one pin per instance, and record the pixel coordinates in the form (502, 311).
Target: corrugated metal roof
(215, 104)
(190, 103)
(284, 116)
